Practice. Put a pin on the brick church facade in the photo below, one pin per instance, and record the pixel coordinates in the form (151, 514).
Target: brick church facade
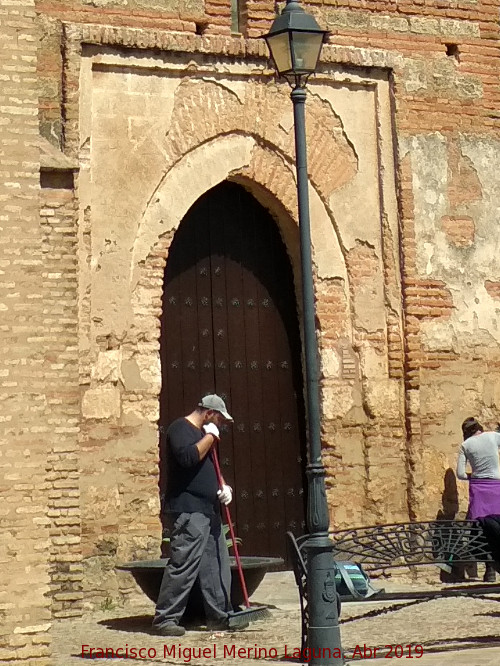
(116, 117)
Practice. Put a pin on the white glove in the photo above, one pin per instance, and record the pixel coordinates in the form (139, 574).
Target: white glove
(225, 494)
(212, 429)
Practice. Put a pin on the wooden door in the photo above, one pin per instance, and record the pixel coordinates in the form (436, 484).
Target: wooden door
(229, 326)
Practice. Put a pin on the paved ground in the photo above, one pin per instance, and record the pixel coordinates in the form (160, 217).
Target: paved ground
(462, 631)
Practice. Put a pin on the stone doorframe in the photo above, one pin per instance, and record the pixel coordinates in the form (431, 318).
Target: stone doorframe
(120, 372)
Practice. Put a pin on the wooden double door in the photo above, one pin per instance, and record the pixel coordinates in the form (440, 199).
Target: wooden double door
(230, 326)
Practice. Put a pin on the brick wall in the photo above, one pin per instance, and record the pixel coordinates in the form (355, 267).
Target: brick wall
(39, 363)
(24, 427)
(451, 49)
(58, 243)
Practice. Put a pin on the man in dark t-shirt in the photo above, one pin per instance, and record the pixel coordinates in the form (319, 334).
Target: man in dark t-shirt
(190, 501)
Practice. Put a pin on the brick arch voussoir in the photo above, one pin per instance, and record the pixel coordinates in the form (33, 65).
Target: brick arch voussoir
(272, 172)
(332, 160)
(204, 110)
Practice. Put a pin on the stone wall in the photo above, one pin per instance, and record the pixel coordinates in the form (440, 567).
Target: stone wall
(405, 239)
(129, 117)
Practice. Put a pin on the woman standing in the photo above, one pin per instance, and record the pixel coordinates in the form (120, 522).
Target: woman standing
(480, 450)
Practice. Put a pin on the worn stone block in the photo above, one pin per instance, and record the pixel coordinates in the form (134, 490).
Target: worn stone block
(101, 403)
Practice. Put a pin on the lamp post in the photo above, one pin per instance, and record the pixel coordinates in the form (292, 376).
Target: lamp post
(295, 41)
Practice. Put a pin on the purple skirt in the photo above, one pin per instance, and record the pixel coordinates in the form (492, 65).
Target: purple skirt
(484, 498)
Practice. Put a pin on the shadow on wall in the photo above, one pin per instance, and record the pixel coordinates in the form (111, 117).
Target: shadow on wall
(448, 511)
(449, 498)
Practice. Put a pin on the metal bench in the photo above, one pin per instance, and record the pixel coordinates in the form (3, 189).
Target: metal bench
(381, 547)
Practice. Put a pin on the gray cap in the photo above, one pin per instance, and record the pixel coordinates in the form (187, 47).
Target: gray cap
(213, 401)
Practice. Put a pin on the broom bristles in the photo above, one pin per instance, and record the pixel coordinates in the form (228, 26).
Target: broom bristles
(252, 614)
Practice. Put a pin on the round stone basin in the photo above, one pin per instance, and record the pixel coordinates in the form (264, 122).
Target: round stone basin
(148, 575)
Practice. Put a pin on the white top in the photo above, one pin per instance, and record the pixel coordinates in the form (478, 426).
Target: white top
(481, 452)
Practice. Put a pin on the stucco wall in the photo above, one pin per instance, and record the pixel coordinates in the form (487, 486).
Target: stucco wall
(148, 117)
(456, 205)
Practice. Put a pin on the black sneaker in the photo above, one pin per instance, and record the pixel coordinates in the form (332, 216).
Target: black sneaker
(169, 629)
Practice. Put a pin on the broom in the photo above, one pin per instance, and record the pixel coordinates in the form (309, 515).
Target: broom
(249, 613)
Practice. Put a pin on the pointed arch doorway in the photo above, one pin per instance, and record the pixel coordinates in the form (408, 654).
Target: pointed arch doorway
(229, 325)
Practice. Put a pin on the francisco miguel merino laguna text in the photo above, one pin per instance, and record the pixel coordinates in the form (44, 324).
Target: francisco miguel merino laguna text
(186, 654)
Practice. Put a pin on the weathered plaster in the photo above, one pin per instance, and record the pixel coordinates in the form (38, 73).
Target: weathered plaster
(474, 319)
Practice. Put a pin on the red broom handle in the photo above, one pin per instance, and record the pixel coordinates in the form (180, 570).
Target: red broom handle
(213, 453)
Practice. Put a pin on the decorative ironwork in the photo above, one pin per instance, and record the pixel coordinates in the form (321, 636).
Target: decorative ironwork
(261, 526)
(205, 332)
(204, 300)
(172, 300)
(400, 544)
(203, 271)
(250, 302)
(299, 570)
(235, 302)
(207, 365)
(241, 427)
(191, 365)
(275, 492)
(409, 544)
(219, 302)
(244, 494)
(284, 365)
(265, 302)
(188, 301)
(269, 365)
(220, 333)
(287, 426)
(218, 270)
(259, 494)
(254, 365)
(272, 426)
(238, 364)
(257, 427)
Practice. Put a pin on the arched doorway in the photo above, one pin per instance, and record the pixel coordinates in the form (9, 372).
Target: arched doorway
(229, 325)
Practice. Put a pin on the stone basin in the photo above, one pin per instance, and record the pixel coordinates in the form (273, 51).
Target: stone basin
(148, 575)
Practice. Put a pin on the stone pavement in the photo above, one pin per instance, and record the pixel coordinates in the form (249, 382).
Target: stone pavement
(462, 631)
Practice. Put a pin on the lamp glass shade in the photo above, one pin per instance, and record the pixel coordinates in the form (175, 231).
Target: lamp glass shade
(279, 47)
(305, 50)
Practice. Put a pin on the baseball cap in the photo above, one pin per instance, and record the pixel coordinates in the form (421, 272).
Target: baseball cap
(213, 401)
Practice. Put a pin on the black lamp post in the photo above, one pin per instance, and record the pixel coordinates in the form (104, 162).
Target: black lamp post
(295, 42)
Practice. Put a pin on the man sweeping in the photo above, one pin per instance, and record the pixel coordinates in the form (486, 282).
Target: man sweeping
(190, 502)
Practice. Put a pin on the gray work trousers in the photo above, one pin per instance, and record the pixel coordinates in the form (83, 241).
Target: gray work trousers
(198, 551)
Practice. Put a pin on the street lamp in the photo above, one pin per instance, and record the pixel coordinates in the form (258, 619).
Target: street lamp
(295, 42)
